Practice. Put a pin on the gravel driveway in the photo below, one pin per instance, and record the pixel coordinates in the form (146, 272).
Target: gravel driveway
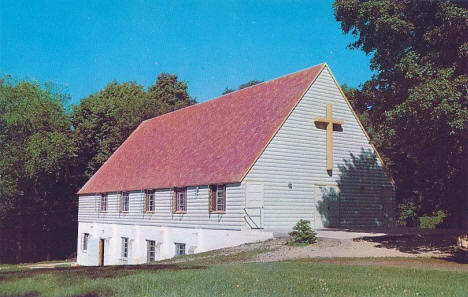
(339, 244)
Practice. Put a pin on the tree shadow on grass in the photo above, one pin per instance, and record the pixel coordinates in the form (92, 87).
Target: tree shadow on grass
(92, 273)
(83, 274)
(36, 294)
(30, 294)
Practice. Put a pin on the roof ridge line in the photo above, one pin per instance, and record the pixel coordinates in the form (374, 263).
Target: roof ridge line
(220, 97)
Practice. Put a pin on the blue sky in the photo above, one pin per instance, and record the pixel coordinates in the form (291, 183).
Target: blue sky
(83, 45)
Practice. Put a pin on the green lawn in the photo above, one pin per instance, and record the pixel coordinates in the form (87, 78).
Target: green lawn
(298, 278)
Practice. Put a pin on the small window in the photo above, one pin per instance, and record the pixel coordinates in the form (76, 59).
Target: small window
(180, 249)
(150, 251)
(218, 198)
(103, 206)
(150, 201)
(124, 202)
(180, 200)
(124, 252)
(84, 241)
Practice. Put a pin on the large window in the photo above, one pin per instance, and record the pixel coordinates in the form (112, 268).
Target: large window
(150, 251)
(84, 241)
(124, 249)
(218, 198)
(124, 202)
(179, 249)
(103, 203)
(180, 200)
(150, 201)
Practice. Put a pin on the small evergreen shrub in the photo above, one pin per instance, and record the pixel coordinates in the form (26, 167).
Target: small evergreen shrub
(430, 222)
(302, 234)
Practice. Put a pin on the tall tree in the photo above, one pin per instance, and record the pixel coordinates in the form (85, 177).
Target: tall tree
(167, 94)
(105, 119)
(48, 152)
(417, 103)
(35, 189)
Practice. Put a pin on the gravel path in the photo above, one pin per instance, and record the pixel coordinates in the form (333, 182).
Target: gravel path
(342, 246)
(331, 248)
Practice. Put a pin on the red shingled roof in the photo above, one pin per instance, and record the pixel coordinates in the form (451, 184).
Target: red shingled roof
(216, 141)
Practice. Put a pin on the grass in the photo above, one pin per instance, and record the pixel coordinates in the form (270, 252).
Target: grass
(322, 277)
(217, 257)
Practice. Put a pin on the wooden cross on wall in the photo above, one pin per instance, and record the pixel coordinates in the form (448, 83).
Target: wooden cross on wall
(328, 124)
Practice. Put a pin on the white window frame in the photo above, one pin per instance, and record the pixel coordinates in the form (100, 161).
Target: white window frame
(219, 204)
(150, 201)
(104, 199)
(84, 241)
(180, 246)
(150, 251)
(124, 202)
(181, 200)
(222, 198)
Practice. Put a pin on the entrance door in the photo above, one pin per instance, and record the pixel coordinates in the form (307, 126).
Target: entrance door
(101, 252)
(327, 205)
(254, 205)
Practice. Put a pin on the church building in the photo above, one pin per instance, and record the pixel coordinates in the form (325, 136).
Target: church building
(234, 170)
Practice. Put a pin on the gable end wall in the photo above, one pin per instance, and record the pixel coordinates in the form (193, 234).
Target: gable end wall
(297, 155)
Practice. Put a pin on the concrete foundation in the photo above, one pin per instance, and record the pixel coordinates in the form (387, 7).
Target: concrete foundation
(195, 240)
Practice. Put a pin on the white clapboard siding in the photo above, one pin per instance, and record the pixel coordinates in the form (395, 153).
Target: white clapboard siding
(197, 215)
(297, 155)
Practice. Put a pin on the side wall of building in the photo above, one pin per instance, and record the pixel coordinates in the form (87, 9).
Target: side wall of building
(197, 215)
(293, 172)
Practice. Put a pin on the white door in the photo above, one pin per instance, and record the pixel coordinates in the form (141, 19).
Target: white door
(254, 205)
(327, 199)
(92, 252)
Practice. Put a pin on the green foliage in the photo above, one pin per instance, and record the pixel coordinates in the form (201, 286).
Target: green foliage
(250, 83)
(302, 233)
(407, 214)
(35, 191)
(227, 91)
(431, 222)
(48, 152)
(243, 86)
(416, 106)
(105, 119)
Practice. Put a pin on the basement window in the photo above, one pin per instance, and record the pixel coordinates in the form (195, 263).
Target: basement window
(218, 198)
(179, 249)
(124, 249)
(84, 241)
(150, 251)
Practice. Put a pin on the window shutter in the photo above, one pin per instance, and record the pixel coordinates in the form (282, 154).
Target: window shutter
(174, 206)
(121, 201)
(145, 203)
